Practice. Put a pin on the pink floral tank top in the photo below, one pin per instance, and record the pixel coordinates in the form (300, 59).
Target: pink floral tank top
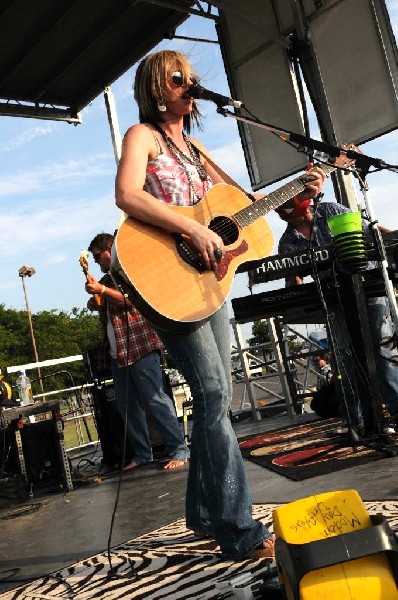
(168, 182)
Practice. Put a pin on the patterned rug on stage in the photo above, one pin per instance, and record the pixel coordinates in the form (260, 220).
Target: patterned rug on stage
(170, 564)
(303, 451)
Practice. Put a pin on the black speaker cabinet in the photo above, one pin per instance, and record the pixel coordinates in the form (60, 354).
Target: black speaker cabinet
(110, 425)
(97, 366)
(43, 461)
(36, 453)
(8, 453)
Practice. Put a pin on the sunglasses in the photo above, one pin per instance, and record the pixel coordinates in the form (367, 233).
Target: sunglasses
(178, 79)
(97, 256)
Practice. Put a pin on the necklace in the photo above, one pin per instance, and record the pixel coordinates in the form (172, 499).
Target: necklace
(181, 158)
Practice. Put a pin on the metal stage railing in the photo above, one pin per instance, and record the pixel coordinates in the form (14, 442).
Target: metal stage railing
(277, 381)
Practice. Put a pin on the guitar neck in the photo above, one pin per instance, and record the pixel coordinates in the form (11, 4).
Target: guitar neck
(264, 205)
(97, 298)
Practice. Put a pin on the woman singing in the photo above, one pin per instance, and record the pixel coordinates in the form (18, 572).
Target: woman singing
(161, 166)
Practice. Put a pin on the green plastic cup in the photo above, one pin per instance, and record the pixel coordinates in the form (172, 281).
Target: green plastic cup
(348, 241)
(345, 223)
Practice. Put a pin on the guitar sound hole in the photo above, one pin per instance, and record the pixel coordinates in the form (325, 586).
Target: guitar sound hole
(226, 229)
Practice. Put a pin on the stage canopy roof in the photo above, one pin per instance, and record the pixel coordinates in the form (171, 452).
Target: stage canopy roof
(58, 55)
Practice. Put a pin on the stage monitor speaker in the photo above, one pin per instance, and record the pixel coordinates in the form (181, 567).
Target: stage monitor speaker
(357, 61)
(355, 65)
(259, 74)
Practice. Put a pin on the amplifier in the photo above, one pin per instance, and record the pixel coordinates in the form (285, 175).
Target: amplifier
(37, 447)
(110, 426)
(97, 364)
(42, 457)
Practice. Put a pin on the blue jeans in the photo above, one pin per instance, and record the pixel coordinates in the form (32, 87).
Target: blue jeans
(381, 328)
(346, 367)
(141, 386)
(218, 497)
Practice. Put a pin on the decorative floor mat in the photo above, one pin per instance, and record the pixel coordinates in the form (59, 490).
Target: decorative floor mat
(303, 451)
(169, 563)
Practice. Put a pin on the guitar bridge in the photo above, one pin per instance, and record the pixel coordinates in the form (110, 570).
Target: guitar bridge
(188, 254)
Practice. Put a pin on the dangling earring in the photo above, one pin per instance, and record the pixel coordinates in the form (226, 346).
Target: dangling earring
(161, 105)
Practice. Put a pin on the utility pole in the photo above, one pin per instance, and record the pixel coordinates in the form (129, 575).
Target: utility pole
(28, 272)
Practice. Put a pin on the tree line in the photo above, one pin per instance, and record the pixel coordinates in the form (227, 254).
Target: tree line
(58, 334)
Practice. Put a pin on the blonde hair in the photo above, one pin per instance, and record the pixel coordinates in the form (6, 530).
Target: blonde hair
(151, 80)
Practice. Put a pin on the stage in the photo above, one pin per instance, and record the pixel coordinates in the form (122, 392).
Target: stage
(53, 531)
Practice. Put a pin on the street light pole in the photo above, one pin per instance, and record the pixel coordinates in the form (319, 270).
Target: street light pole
(28, 272)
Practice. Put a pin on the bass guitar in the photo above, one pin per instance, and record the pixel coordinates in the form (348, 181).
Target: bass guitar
(164, 275)
(83, 260)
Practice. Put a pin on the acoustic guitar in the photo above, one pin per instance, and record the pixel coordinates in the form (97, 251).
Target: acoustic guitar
(164, 275)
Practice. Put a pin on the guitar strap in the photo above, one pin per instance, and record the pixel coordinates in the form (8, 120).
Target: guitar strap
(222, 173)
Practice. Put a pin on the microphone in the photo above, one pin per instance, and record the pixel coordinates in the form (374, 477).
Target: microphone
(200, 93)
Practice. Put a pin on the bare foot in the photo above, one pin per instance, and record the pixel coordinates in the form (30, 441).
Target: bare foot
(269, 543)
(133, 464)
(265, 550)
(174, 464)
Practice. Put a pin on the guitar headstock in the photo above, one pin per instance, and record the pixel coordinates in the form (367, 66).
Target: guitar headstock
(83, 260)
(342, 161)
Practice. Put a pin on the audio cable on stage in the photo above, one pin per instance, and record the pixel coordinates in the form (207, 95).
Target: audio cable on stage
(113, 573)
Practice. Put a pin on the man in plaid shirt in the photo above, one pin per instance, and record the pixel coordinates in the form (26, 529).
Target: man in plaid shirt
(135, 352)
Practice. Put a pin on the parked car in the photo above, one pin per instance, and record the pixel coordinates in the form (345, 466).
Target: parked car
(255, 370)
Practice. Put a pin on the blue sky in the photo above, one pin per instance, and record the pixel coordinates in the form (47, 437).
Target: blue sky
(57, 182)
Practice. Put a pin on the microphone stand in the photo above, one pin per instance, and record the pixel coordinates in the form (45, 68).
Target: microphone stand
(379, 246)
(306, 142)
(363, 163)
